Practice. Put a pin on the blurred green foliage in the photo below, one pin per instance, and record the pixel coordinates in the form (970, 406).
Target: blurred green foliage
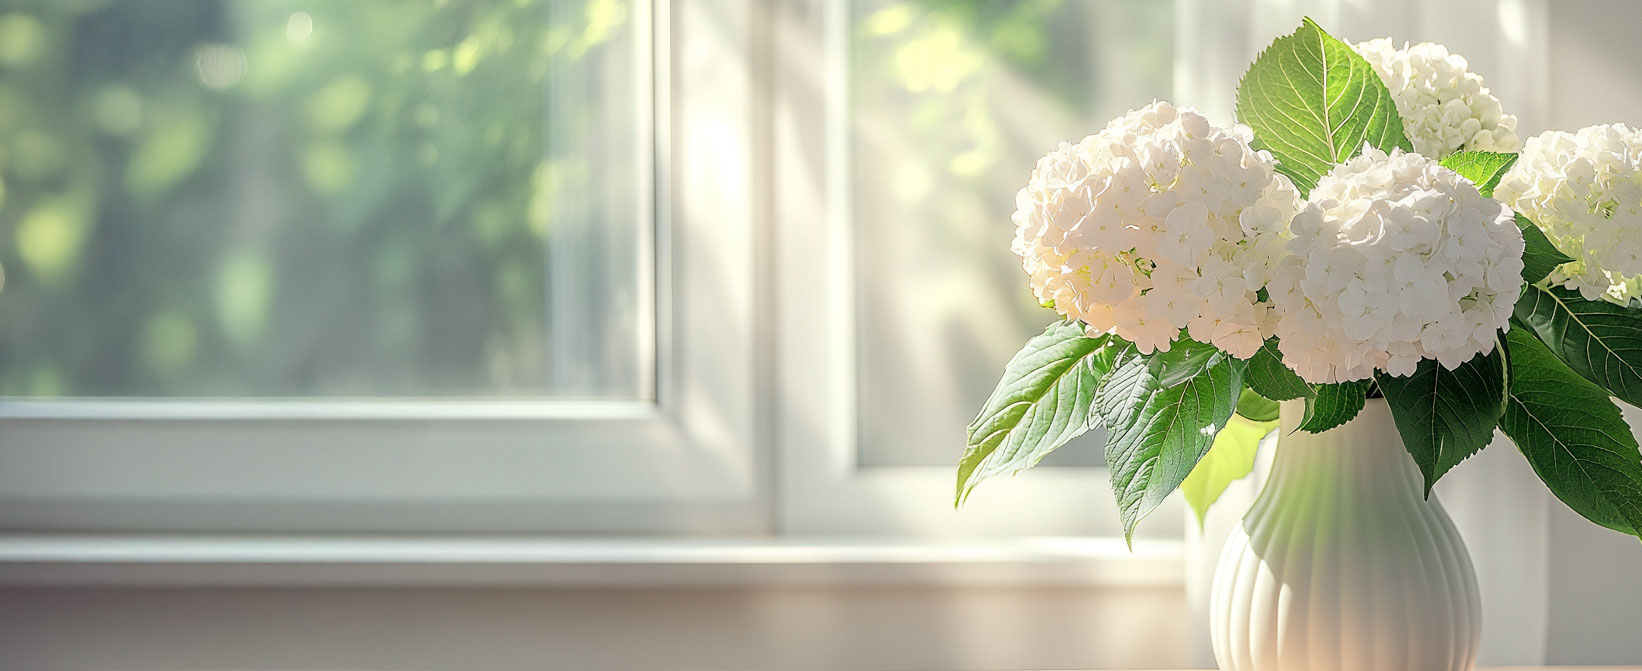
(362, 197)
(955, 100)
(284, 197)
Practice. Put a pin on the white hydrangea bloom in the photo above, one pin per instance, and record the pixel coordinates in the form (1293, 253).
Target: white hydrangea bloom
(1394, 259)
(1444, 106)
(1585, 190)
(1159, 222)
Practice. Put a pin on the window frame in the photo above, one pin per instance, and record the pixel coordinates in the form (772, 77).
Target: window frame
(685, 462)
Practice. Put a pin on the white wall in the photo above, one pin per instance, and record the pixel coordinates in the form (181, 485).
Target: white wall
(1595, 586)
(502, 629)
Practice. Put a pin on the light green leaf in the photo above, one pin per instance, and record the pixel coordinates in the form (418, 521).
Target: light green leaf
(1252, 406)
(1483, 168)
(1539, 255)
(1331, 405)
(1445, 416)
(1573, 435)
(1231, 458)
(1599, 340)
(1313, 101)
(1268, 376)
(1157, 434)
(1041, 403)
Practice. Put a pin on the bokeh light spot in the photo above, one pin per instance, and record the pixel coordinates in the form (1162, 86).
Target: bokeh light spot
(466, 57)
(299, 27)
(168, 153)
(339, 104)
(22, 39)
(434, 60)
(889, 20)
(50, 236)
(219, 66)
(244, 295)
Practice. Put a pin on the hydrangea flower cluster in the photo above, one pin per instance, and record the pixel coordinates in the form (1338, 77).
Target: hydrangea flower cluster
(1585, 190)
(1158, 223)
(1444, 106)
(1394, 259)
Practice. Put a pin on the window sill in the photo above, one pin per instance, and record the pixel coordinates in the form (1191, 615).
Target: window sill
(244, 561)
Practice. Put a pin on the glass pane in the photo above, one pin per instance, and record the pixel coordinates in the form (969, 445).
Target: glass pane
(296, 198)
(953, 102)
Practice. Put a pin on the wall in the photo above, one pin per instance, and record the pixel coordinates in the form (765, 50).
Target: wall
(1595, 575)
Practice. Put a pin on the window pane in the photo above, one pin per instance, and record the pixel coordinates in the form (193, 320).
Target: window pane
(952, 103)
(300, 198)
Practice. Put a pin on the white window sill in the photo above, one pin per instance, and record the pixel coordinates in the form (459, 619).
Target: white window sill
(221, 560)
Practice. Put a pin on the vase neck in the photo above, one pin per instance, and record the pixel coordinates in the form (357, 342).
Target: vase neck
(1364, 454)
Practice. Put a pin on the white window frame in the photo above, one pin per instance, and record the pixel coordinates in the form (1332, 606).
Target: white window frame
(686, 462)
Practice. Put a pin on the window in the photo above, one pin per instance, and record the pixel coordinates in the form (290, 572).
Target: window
(230, 198)
(911, 125)
(686, 266)
(459, 266)
(950, 104)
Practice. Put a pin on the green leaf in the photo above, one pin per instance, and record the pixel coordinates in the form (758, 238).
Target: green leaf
(1331, 405)
(1539, 255)
(1252, 406)
(1157, 434)
(1445, 416)
(1313, 101)
(1184, 360)
(1599, 340)
(1268, 376)
(1573, 435)
(1041, 403)
(1483, 168)
(1231, 458)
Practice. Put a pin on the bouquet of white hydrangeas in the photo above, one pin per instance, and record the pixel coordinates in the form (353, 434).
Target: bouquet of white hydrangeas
(1364, 231)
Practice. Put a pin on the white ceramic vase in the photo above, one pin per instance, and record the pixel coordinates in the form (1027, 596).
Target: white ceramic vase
(1342, 564)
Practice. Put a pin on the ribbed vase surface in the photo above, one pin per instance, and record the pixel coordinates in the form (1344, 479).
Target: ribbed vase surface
(1342, 564)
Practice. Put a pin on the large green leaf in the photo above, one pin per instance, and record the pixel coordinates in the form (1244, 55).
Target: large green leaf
(1041, 403)
(1539, 255)
(1331, 405)
(1445, 416)
(1573, 435)
(1268, 376)
(1483, 168)
(1601, 341)
(1313, 101)
(1156, 434)
(1231, 458)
